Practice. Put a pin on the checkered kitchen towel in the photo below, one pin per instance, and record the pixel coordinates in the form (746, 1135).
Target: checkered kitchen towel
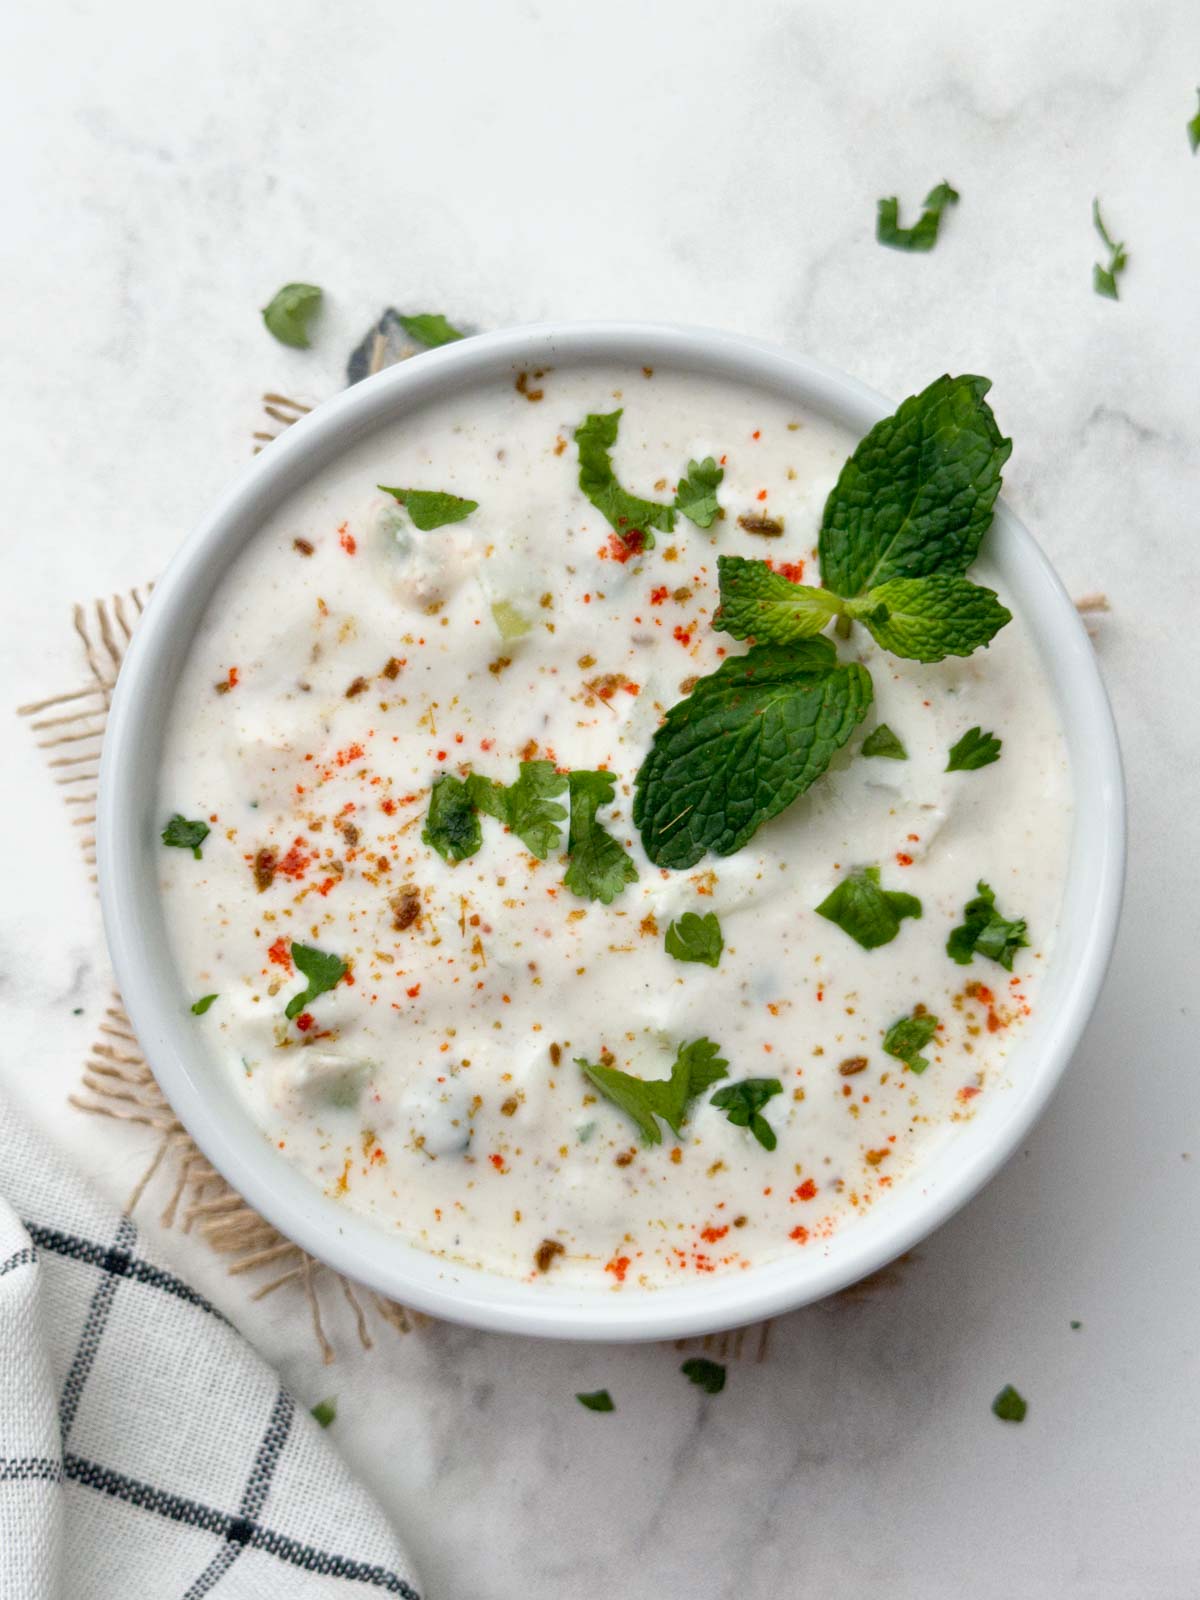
(145, 1450)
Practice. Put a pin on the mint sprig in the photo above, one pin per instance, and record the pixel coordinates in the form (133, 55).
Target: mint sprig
(758, 603)
(928, 619)
(627, 514)
(869, 913)
(698, 1065)
(431, 508)
(923, 234)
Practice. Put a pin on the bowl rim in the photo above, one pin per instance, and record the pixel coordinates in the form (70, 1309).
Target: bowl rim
(358, 1246)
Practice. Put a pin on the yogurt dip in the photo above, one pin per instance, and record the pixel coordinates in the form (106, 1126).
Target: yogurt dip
(351, 659)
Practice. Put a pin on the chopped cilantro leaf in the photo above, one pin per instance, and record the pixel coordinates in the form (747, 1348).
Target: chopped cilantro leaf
(697, 1066)
(185, 835)
(1104, 279)
(323, 971)
(626, 513)
(429, 328)
(881, 741)
(907, 1038)
(1075, 1326)
(983, 929)
(693, 938)
(324, 1412)
(452, 828)
(598, 1400)
(1009, 1406)
(1193, 129)
(599, 867)
(974, 750)
(696, 495)
(527, 806)
(742, 1103)
(431, 508)
(290, 313)
(199, 1007)
(871, 915)
(707, 1375)
(923, 234)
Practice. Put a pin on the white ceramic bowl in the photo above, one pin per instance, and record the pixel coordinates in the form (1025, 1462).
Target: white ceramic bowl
(129, 827)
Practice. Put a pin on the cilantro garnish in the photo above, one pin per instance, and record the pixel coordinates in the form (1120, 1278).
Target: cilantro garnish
(974, 750)
(429, 328)
(749, 738)
(924, 232)
(881, 741)
(742, 1103)
(693, 938)
(696, 496)
(1193, 129)
(431, 508)
(1104, 279)
(527, 807)
(452, 828)
(199, 1007)
(764, 605)
(707, 1375)
(624, 512)
(185, 835)
(907, 1038)
(323, 971)
(290, 313)
(598, 1400)
(697, 1066)
(599, 867)
(324, 1412)
(1009, 1406)
(870, 914)
(983, 929)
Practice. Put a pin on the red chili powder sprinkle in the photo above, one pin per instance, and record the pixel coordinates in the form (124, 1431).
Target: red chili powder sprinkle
(347, 540)
(352, 752)
(618, 1266)
(757, 434)
(806, 1191)
(761, 495)
(800, 1235)
(441, 755)
(682, 635)
(793, 571)
(623, 545)
(657, 596)
(305, 1021)
(414, 991)
(903, 858)
(497, 1162)
(280, 953)
(711, 1235)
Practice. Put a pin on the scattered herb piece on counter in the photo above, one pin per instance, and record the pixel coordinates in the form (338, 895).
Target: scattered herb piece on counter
(697, 1067)
(1075, 1326)
(199, 1007)
(923, 234)
(526, 807)
(599, 867)
(870, 914)
(598, 1400)
(431, 508)
(696, 496)
(759, 603)
(77, 1011)
(907, 1038)
(974, 750)
(185, 835)
(705, 1374)
(323, 971)
(429, 328)
(290, 313)
(1009, 1406)
(324, 1412)
(881, 741)
(452, 828)
(930, 618)
(1104, 279)
(629, 516)
(748, 739)
(1193, 129)
(695, 938)
(742, 1103)
(985, 931)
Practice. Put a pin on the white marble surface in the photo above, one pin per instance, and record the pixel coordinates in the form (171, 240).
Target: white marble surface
(169, 167)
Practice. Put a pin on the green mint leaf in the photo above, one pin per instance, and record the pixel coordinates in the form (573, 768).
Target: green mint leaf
(452, 828)
(693, 938)
(881, 741)
(696, 495)
(290, 313)
(742, 1103)
(598, 1400)
(928, 619)
(907, 1038)
(1009, 1406)
(759, 603)
(199, 1007)
(431, 508)
(632, 518)
(1193, 129)
(924, 232)
(748, 739)
(1104, 279)
(185, 835)
(985, 931)
(324, 1412)
(974, 750)
(705, 1374)
(870, 914)
(599, 866)
(697, 1067)
(323, 971)
(429, 328)
(917, 494)
(526, 807)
